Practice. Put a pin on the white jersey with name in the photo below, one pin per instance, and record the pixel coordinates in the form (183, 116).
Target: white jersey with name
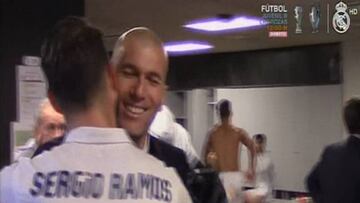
(92, 165)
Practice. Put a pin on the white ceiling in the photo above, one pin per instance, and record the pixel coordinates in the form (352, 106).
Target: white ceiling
(166, 18)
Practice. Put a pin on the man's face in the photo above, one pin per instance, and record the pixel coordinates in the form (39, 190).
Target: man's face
(51, 125)
(259, 147)
(141, 74)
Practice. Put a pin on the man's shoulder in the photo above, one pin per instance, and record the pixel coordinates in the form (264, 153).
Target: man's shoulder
(7, 170)
(346, 146)
(240, 133)
(335, 147)
(238, 130)
(22, 164)
(214, 129)
(13, 178)
(334, 152)
(6, 183)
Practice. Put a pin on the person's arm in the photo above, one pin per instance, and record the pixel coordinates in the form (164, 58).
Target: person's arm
(207, 148)
(248, 142)
(209, 155)
(312, 181)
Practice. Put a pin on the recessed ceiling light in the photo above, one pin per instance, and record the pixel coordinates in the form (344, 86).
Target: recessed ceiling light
(186, 46)
(223, 24)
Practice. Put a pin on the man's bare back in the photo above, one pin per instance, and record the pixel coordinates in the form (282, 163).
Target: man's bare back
(224, 142)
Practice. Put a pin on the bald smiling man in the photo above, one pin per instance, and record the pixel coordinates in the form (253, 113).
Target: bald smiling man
(141, 64)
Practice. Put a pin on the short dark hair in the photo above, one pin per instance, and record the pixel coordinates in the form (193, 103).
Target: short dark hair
(260, 138)
(74, 59)
(224, 108)
(352, 115)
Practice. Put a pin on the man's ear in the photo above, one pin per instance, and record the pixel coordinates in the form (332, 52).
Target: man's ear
(53, 102)
(164, 94)
(111, 71)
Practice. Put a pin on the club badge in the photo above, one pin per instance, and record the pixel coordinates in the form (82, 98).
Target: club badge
(341, 19)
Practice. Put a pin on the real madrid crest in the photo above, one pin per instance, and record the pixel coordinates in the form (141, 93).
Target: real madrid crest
(341, 19)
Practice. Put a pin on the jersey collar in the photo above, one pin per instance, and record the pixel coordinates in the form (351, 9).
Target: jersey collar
(94, 135)
(146, 144)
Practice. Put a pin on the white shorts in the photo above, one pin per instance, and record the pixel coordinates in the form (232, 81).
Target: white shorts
(232, 182)
(261, 190)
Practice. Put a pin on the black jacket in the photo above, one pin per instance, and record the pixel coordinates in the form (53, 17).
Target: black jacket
(171, 156)
(48, 145)
(336, 177)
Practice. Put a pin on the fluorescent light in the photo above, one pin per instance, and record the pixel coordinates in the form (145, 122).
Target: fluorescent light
(219, 24)
(186, 46)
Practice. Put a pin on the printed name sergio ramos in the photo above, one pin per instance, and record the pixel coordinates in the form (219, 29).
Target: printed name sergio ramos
(82, 184)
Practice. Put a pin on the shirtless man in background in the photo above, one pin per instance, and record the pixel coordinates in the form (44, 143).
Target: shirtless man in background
(222, 149)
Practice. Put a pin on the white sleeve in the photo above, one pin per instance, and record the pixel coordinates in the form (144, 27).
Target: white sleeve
(183, 141)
